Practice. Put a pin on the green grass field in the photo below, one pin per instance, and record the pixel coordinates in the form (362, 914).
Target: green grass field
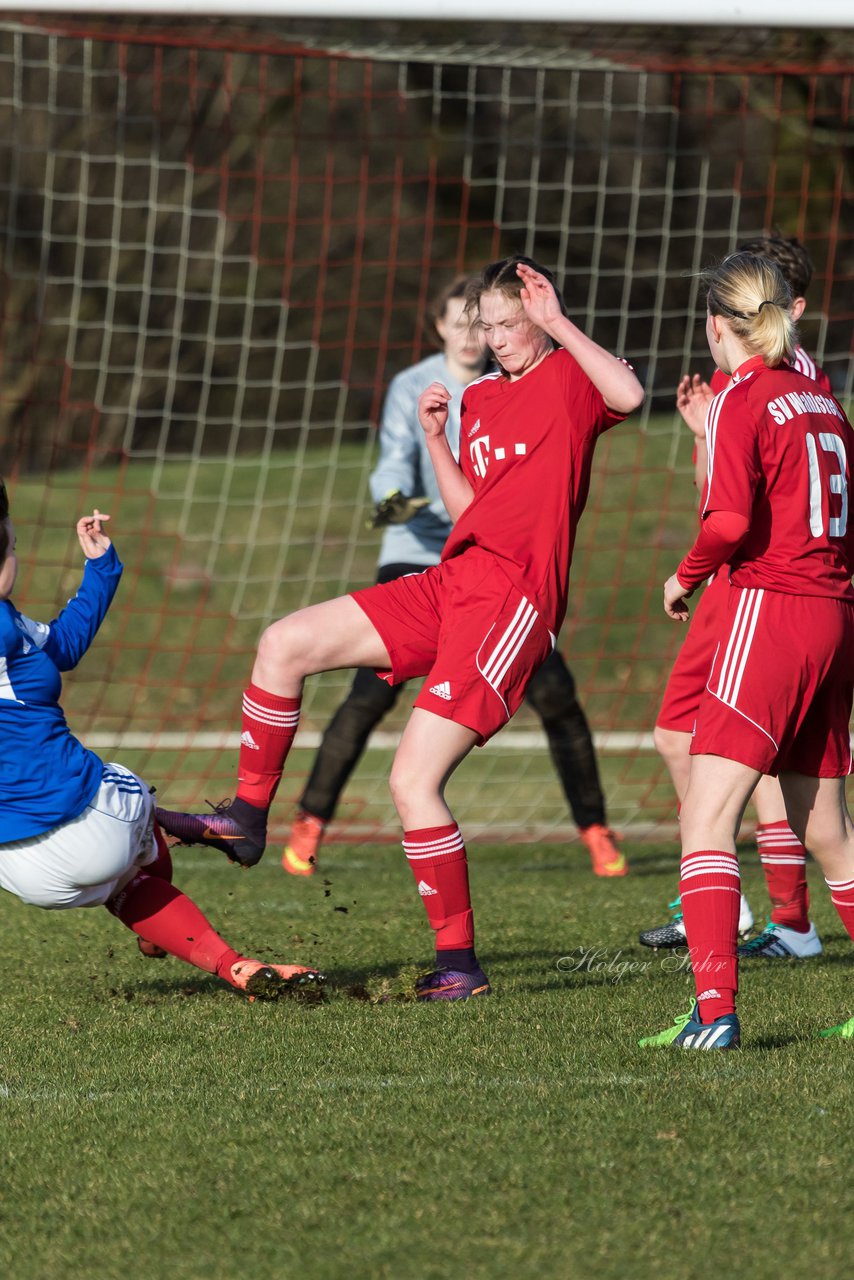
(156, 1124)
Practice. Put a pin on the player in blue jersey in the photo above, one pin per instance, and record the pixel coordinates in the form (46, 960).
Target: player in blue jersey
(75, 832)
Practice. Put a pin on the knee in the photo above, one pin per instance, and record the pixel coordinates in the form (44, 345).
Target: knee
(825, 839)
(283, 643)
(275, 641)
(669, 744)
(407, 785)
(398, 784)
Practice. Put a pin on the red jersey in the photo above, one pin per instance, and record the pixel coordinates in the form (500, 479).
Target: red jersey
(780, 454)
(802, 362)
(526, 448)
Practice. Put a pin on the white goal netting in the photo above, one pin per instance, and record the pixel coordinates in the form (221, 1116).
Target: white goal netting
(217, 245)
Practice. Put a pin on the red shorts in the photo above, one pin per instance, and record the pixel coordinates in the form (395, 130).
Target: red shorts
(687, 680)
(780, 690)
(463, 624)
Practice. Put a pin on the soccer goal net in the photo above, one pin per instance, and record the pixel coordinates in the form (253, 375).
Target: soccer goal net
(218, 243)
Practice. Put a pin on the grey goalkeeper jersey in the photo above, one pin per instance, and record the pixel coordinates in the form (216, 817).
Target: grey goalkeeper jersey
(404, 463)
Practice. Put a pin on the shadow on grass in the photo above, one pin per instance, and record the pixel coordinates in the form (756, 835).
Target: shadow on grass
(775, 1042)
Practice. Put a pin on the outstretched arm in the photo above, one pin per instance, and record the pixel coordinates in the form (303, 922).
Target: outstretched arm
(70, 635)
(612, 377)
(455, 489)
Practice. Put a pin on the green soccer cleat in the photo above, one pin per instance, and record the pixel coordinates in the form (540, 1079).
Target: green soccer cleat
(688, 1032)
(845, 1030)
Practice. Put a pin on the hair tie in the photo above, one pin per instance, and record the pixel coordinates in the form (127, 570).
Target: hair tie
(731, 311)
(767, 302)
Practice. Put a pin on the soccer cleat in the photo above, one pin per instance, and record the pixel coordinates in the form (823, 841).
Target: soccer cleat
(777, 941)
(673, 934)
(688, 1032)
(300, 853)
(604, 854)
(845, 1030)
(451, 984)
(666, 935)
(262, 981)
(217, 830)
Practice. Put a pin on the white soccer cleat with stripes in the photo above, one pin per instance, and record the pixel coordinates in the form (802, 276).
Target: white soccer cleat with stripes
(778, 942)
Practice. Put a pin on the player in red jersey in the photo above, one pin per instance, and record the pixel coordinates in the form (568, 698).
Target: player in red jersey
(790, 932)
(479, 623)
(779, 694)
(416, 528)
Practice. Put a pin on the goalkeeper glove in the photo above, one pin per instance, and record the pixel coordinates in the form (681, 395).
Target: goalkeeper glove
(396, 508)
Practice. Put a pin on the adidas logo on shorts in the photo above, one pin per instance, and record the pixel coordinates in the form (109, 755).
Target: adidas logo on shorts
(425, 890)
(246, 740)
(442, 690)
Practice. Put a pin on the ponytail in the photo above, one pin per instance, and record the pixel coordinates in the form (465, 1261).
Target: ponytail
(751, 294)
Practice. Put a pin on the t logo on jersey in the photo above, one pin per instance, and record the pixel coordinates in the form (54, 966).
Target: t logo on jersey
(479, 450)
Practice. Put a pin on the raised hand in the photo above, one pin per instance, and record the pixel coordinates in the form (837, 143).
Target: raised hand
(91, 536)
(693, 397)
(538, 297)
(433, 409)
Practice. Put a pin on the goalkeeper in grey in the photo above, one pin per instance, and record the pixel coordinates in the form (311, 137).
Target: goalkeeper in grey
(410, 511)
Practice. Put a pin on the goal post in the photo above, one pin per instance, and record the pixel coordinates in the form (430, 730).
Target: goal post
(218, 241)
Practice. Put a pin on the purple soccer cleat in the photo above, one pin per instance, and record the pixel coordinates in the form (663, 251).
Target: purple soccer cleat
(452, 984)
(220, 830)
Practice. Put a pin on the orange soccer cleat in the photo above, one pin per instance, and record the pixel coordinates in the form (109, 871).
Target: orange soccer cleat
(300, 853)
(270, 981)
(604, 853)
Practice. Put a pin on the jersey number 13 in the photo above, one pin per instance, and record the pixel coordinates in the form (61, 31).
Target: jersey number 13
(837, 483)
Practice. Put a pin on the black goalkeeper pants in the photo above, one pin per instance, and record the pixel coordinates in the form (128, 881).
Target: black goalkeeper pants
(551, 693)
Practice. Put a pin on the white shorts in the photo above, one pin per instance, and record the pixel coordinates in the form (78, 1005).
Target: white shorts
(82, 863)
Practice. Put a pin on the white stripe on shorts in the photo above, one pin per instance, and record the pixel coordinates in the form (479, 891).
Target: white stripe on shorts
(501, 658)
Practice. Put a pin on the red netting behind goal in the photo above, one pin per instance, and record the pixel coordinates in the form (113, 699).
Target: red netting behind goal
(217, 250)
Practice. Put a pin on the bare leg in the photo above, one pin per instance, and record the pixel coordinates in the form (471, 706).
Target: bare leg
(323, 637)
(714, 804)
(675, 750)
(818, 815)
(429, 752)
(768, 800)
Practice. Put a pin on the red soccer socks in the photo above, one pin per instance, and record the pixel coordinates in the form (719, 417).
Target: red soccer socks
(437, 856)
(710, 888)
(269, 727)
(842, 897)
(164, 916)
(784, 861)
